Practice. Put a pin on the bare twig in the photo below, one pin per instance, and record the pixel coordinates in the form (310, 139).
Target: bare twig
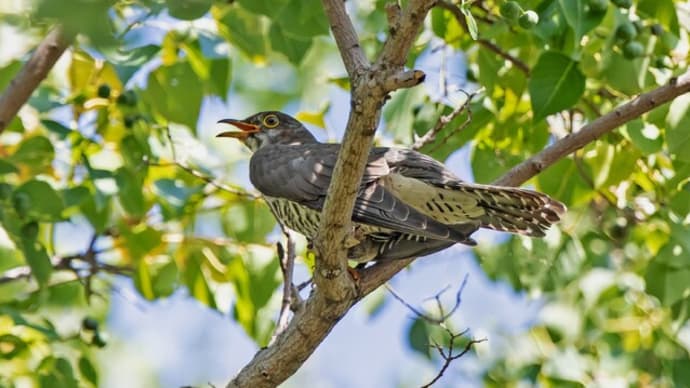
(449, 357)
(443, 316)
(199, 174)
(442, 121)
(68, 263)
(30, 76)
(287, 266)
(457, 13)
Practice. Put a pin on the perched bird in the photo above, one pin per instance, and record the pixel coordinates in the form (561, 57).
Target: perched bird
(408, 204)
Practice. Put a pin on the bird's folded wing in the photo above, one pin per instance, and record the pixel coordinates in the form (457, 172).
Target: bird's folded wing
(302, 173)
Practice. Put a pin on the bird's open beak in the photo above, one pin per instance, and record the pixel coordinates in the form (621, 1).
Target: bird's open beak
(246, 129)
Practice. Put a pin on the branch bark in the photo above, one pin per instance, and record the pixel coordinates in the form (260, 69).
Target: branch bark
(594, 130)
(30, 76)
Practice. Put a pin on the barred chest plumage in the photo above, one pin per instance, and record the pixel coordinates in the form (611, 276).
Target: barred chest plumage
(306, 221)
(366, 242)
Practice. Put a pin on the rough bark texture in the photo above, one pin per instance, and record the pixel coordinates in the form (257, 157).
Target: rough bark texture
(594, 130)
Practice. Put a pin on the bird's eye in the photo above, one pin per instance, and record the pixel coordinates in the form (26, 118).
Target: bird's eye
(271, 121)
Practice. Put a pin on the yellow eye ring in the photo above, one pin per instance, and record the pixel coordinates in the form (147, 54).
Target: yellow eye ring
(271, 121)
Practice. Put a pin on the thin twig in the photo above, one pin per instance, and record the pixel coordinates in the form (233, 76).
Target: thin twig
(449, 357)
(198, 174)
(443, 316)
(457, 13)
(442, 121)
(287, 266)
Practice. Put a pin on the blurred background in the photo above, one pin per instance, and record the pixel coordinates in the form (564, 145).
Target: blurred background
(133, 251)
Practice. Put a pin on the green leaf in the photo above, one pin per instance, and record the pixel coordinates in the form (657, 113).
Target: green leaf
(294, 48)
(555, 84)
(418, 337)
(439, 21)
(87, 17)
(165, 279)
(141, 240)
(38, 260)
(667, 284)
(220, 77)
(647, 137)
(36, 152)
(188, 9)
(45, 203)
(489, 162)
(572, 190)
(97, 211)
(88, 370)
(8, 72)
(625, 75)
(579, 17)
(142, 280)
(265, 7)
(244, 30)
(248, 221)
(175, 195)
(303, 19)
(57, 128)
(7, 168)
(469, 18)
(663, 11)
(11, 346)
(677, 133)
(129, 61)
(255, 283)
(195, 279)
(130, 191)
(176, 93)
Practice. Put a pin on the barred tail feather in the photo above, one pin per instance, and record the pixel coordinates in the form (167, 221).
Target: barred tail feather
(516, 210)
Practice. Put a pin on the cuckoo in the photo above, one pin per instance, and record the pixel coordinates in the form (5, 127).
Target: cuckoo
(408, 204)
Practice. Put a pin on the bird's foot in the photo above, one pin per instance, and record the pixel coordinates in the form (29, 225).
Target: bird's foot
(354, 273)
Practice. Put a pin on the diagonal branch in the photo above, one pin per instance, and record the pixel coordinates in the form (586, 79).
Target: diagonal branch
(594, 130)
(30, 76)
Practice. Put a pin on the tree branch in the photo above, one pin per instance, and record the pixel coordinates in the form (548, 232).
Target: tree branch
(345, 37)
(592, 131)
(30, 76)
(290, 293)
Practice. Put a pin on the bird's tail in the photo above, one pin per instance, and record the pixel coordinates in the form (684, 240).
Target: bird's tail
(513, 210)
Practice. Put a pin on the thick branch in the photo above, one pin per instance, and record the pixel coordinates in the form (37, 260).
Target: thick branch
(403, 34)
(32, 73)
(345, 37)
(592, 131)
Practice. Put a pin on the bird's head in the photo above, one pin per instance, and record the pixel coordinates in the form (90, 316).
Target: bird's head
(266, 128)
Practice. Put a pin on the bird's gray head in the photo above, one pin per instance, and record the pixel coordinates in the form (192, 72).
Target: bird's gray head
(265, 128)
